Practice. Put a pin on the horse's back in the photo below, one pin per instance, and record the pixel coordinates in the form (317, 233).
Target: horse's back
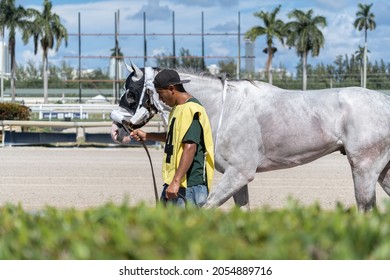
(297, 127)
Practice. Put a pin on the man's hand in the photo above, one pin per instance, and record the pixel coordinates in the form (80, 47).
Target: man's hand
(138, 135)
(172, 190)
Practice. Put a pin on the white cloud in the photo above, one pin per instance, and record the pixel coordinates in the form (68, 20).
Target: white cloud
(29, 55)
(218, 49)
(160, 51)
(153, 10)
(340, 37)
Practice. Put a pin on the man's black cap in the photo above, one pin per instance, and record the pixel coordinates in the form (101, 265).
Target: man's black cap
(167, 77)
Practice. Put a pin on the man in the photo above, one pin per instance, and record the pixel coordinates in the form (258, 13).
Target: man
(188, 162)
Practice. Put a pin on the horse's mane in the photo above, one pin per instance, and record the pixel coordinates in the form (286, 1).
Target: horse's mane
(192, 71)
(221, 77)
(205, 74)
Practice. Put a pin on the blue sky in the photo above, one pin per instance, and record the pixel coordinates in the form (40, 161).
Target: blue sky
(220, 16)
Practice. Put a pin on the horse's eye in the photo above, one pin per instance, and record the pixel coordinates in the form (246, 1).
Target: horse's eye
(130, 97)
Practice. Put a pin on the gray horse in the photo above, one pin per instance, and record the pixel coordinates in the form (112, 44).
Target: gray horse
(258, 127)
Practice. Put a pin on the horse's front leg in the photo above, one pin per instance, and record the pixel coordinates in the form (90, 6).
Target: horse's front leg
(241, 198)
(233, 182)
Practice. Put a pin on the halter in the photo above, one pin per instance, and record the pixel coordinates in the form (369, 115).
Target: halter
(141, 114)
(148, 85)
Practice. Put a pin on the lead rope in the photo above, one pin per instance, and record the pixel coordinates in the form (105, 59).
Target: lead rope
(149, 76)
(151, 167)
(150, 162)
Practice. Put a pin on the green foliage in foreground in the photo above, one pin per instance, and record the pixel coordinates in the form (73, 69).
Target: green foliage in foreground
(141, 232)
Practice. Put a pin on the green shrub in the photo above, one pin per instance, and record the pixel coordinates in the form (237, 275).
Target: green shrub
(141, 232)
(14, 111)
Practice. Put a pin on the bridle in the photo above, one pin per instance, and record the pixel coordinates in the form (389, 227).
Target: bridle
(149, 74)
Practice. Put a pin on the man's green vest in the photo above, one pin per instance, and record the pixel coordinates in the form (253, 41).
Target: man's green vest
(180, 120)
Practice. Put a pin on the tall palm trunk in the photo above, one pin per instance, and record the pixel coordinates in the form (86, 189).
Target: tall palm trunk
(304, 71)
(13, 89)
(13, 64)
(269, 65)
(45, 79)
(365, 65)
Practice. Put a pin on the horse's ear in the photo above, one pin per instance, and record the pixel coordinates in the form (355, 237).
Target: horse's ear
(129, 68)
(133, 68)
(222, 77)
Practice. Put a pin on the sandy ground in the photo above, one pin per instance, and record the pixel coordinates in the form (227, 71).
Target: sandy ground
(84, 177)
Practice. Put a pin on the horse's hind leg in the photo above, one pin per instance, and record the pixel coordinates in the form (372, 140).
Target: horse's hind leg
(241, 198)
(384, 179)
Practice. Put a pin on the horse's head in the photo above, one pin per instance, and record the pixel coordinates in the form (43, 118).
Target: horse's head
(139, 102)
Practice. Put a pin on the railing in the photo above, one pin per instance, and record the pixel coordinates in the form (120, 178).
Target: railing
(8, 126)
(67, 111)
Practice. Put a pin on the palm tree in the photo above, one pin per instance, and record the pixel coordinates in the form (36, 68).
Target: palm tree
(273, 28)
(48, 30)
(13, 18)
(359, 55)
(305, 36)
(364, 20)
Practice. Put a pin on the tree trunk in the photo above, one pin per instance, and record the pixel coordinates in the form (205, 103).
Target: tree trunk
(13, 90)
(365, 65)
(268, 65)
(45, 80)
(304, 72)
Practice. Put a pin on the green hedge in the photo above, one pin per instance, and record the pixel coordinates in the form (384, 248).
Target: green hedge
(14, 111)
(141, 232)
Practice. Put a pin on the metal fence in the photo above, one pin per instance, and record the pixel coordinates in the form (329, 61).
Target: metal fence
(116, 35)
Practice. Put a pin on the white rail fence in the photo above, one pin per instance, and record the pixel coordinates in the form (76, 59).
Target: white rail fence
(12, 134)
(71, 111)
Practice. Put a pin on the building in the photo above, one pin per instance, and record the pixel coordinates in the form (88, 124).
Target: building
(5, 66)
(5, 60)
(122, 71)
(249, 56)
(84, 73)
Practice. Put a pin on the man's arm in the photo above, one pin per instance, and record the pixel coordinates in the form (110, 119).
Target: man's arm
(141, 135)
(187, 157)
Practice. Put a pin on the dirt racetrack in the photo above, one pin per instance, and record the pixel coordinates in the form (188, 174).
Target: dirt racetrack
(84, 177)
